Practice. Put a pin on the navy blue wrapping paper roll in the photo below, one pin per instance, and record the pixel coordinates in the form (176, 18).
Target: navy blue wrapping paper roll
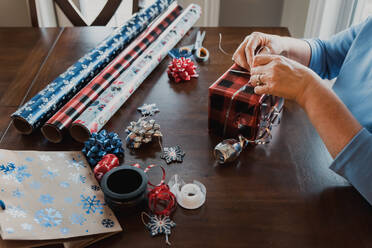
(48, 101)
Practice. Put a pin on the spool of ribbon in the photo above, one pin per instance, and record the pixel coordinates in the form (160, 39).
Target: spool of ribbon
(100, 144)
(161, 200)
(188, 195)
(107, 163)
(181, 69)
(148, 168)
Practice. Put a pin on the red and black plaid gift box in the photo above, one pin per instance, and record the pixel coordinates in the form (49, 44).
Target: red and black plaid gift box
(233, 108)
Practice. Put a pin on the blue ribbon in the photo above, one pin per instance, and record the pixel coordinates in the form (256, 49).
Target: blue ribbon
(100, 144)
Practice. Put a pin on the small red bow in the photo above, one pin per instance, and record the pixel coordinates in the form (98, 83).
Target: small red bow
(108, 162)
(181, 69)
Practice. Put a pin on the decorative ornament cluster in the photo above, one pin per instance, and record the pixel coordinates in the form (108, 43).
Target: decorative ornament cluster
(100, 144)
(142, 132)
(181, 69)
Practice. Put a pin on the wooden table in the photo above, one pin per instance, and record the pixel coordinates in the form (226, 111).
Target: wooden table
(277, 195)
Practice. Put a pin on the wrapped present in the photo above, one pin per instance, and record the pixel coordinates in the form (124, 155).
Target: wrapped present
(234, 108)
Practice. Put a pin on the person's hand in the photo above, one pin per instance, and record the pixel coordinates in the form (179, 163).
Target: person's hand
(245, 53)
(280, 76)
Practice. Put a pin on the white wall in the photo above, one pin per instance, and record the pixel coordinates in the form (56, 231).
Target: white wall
(14, 13)
(251, 12)
(294, 16)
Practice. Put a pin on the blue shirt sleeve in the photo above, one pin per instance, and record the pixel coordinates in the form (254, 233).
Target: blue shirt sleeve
(354, 163)
(327, 56)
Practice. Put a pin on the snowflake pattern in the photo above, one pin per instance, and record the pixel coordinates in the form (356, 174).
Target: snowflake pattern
(65, 230)
(50, 173)
(91, 204)
(26, 226)
(46, 199)
(68, 200)
(64, 184)
(148, 109)
(108, 223)
(77, 178)
(7, 169)
(173, 154)
(9, 230)
(16, 211)
(35, 185)
(77, 219)
(44, 157)
(76, 164)
(29, 159)
(95, 188)
(17, 193)
(48, 217)
(160, 225)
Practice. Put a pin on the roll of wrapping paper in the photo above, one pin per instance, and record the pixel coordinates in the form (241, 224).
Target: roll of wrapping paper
(44, 104)
(96, 115)
(52, 130)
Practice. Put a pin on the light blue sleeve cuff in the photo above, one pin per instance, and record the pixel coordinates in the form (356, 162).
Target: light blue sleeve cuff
(316, 60)
(354, 163)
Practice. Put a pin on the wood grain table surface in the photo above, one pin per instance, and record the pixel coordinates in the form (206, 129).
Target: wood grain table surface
(277, 195)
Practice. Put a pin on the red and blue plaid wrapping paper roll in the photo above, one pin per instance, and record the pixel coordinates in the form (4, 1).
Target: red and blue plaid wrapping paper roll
(52, 130)
(240, 113)
(43, 105)
(110, 101)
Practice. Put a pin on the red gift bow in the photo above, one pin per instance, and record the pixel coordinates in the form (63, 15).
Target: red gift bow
(181, 69)
(108, 162)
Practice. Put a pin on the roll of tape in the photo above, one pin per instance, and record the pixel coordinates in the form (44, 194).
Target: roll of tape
(190, 195)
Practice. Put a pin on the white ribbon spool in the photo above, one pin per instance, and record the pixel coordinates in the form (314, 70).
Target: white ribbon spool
(190, 195)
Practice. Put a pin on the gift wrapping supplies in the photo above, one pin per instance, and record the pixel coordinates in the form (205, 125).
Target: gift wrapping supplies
(234, 109)
(44, 104)
(100, 111)
(52, 129)
(51, 197)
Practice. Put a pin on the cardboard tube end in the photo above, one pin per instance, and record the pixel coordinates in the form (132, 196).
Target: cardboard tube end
(79, 132)
(22, 125)
(52, 133)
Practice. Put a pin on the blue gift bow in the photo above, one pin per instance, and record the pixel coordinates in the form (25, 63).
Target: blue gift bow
(100, 144)
(44, 104)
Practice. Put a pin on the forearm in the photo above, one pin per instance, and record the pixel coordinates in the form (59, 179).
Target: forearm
(331, 118)
(296, 49)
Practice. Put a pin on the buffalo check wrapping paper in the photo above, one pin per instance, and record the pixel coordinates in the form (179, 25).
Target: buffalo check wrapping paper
(51, 195)
(244, 109)
(69, 112)
(100, 111)
(44, 104)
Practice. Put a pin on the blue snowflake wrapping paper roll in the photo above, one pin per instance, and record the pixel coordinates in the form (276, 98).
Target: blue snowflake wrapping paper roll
(47, 102)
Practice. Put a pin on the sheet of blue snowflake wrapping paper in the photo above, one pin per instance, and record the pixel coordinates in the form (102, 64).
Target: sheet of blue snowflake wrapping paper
(51, 195)
(47, 102)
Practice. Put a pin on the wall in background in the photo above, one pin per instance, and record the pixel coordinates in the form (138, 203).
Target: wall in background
(14, 13)
(251, 12)
(294, 16)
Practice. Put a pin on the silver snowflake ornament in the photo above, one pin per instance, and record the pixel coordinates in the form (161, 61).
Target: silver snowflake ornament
(160, 225)
(173, 154)
(148, 109)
